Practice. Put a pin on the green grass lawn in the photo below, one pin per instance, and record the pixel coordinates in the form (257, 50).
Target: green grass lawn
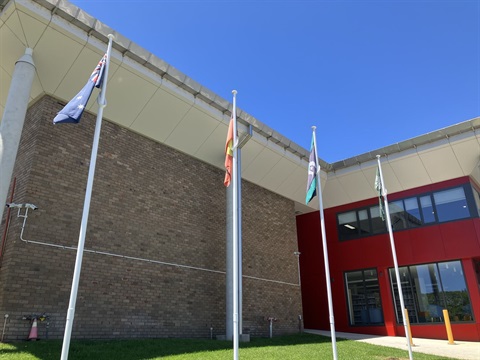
(300, 346)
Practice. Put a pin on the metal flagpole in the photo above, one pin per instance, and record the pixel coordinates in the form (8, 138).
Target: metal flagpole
(86, 208)
(325, 251)
(235, 228)
(239, 215)
(394, 254)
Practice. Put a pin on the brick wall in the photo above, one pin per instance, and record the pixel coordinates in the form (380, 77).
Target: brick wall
(159, 209)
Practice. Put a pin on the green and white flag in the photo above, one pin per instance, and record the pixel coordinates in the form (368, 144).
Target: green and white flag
(379, 188)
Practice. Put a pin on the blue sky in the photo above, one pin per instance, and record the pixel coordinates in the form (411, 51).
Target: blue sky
(368, 74)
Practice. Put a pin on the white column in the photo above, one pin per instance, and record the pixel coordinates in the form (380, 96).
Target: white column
(13, 118)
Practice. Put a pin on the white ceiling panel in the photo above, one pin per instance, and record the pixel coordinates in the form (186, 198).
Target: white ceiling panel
(11, 48)
(261, 165)
(278, 173)
(355, 185)
(5, 79)
(190, 134)
(127, 95)
(463, 150)
(52, 69)
(36, 27)
(293, 182)
(78, 75)
(409, 172)
(161, 115)
(333, 194)
(213, 149)
(249, 152)
(441, 163)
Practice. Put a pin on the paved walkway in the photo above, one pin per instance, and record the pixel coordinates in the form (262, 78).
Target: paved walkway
(465, 350)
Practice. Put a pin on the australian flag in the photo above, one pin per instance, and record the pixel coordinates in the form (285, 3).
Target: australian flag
(312, 175)
(73, 111)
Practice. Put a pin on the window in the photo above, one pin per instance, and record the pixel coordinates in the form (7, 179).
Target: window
(427, 209)
(378, 225)
(476, 196)
(347, 225)
(440, 206)
(451, 204)
(412, 212)
(363, 296)
(430, 288)
(397, 215)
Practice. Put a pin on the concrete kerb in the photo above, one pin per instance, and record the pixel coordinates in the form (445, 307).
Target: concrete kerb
(465, 350)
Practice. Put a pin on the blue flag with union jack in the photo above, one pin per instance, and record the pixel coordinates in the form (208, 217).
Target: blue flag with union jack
(72, 112)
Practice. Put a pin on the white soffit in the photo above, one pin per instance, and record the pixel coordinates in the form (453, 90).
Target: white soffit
(464, 146)
(125, 87)
(333, 193)
(192, 131)
(440, 162)
(166, 111)
(276, 175)
(208, 151)
(261, 165)
(408, 171)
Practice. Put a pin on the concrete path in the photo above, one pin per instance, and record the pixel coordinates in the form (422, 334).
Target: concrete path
(465, 350)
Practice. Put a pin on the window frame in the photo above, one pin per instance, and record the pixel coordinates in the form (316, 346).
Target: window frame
(411, 300)
(469, 198)
(350, 304)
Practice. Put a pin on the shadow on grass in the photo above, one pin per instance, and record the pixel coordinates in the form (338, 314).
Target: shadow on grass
(143, 349)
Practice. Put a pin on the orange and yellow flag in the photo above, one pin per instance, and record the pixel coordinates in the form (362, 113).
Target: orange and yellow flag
(229, 155)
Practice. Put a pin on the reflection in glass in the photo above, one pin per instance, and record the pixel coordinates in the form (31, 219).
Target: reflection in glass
(413, 212)
(451, 204)
(363, 222)
(397, 215)
(347, 225)
(430, 288)
(378, 225)
(364, 304)
(427, 209)
(455, 291)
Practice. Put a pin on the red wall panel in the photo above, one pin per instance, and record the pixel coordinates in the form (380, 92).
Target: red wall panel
(456, 240)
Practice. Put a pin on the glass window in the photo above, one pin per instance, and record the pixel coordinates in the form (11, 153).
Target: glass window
(364, 304)
(455, 291)
(347, 225)
(428, 293)
(397, 215)
(476, 196)
(412, 212)
(364, 222)
(407, 292)
(451, 204)
(378, 225)
(446, 205)
(430, 288)
(427, 209)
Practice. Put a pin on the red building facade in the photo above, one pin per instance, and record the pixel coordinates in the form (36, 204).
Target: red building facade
(445, 251)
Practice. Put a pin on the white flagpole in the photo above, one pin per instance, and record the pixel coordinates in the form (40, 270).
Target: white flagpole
(86, 208)
(234, 178)
(325, 250)
(394, 254)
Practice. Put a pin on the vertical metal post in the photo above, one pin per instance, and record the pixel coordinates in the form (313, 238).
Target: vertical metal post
(13, 119)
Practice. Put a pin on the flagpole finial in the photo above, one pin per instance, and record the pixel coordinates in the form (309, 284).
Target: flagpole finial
(234, 92)
(378, 156)
(314, 128)
(111, 36)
